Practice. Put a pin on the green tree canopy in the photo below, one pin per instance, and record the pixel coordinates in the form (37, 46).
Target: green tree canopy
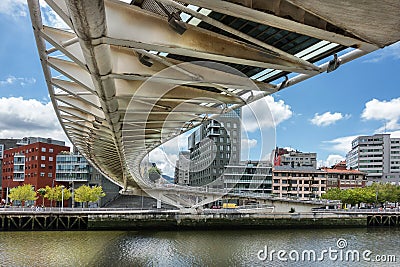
(377, 192)
(22, 193)
(386, 192)
(42, 192)
(155, 169)
(88, 194)
(333, 194)
(55, 193)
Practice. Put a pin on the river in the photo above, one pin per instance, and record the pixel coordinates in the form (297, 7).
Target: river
(202, 248)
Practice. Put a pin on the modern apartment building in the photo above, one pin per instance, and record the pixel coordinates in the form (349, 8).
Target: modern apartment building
(4, 145)
(44, 161)
(32, 162)
(300, 182)
(284, 157)
(182, 168)
(249, 176)
(214, 145)
(73, 169)
(377, 155)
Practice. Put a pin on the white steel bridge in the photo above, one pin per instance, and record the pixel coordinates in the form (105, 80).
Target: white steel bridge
(125, 77)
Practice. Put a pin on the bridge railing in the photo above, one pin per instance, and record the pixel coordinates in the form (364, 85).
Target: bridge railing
(203, 190)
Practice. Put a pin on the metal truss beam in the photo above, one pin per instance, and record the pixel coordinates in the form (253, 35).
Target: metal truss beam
(232, 9)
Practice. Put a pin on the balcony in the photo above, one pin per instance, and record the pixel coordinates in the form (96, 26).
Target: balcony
(213, 133)
(72, 177)
(19, 177)
(213, 124)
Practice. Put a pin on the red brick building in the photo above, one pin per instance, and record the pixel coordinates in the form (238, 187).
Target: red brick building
(33, 163)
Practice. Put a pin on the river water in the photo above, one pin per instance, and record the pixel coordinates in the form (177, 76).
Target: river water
(202, 248)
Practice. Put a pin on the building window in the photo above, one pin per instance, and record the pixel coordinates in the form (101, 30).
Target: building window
(42, 174)
(43, 157)
(51, 150)
(43, 149)
(50, 175)
(50, 158)
(42, 165)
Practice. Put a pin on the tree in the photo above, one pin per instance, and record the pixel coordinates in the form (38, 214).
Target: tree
(154, 173)
(23, 193)
(367, 195)
(351, 196)
(333, 194)
(155, 169)
(88, 194)
(42, 192)
(55, 193)
(50, 194)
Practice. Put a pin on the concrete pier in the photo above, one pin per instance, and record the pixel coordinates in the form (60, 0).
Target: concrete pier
(231, 220)
(103, 219)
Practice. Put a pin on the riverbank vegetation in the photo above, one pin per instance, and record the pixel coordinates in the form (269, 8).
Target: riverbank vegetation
(26, 193)
(376, 193)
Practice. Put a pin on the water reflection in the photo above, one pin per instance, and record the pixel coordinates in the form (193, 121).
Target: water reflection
(239, 248)
(186, 248)
(53, 248)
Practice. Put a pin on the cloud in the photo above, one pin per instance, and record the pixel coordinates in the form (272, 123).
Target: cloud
(289, 148)
(10, 80)
(331, 160)
(265, 112)
(14, 8)
(392, 52)
(164, 161)
(51, 18)
(179, 143)
(341, 144)
(327, 118)
(387, 111)
(247, 145)
(165, 156)
(28, 117)
(19, 8)
(395, 134)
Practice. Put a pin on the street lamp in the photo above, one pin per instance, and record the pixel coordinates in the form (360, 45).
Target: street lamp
(62, 197)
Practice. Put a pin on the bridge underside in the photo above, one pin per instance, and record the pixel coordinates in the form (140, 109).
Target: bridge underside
(126, 77)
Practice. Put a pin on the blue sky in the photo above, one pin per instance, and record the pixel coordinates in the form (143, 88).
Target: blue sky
(319, 115)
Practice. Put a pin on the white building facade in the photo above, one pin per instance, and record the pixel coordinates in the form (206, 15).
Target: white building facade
(182, 168)
(377, 155)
